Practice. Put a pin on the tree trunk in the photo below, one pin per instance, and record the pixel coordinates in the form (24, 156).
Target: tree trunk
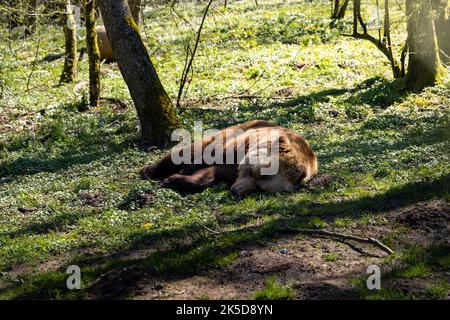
(70, 35)
(424, 66)
(334, 8)
(338, 10)
(135, 7)
(156, 112)
(398, 73)
(442, 25)
(93, 52)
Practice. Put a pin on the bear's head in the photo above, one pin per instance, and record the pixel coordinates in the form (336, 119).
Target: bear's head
(276, 171)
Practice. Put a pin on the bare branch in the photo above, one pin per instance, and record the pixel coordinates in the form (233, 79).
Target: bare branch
(338, 235)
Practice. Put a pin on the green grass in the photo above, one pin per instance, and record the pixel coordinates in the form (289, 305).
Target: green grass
(275, 291)
(387, 147)
(440, 290)
(420, 264)
(331, 257)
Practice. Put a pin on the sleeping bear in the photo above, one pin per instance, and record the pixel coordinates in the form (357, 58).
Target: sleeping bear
(255, 155)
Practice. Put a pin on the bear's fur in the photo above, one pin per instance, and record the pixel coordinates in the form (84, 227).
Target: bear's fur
(297, 162)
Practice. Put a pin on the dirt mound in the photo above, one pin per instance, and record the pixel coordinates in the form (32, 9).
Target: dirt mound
(115, 284)
(95, 199)
(433, 216)
(321, 181)
(137, 199)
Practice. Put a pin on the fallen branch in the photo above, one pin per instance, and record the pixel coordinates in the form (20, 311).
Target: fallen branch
(338, 235)
(207, 229)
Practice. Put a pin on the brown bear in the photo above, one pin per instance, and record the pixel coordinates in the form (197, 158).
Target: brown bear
(244, 144)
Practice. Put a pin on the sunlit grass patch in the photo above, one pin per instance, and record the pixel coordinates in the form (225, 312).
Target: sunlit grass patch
(273, 290)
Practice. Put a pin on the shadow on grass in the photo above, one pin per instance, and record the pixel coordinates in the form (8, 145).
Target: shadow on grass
(30, 166)
(194, 248)
(394, 198)
(57, 223)
(73, 137)
(377, 148)
(377, 93)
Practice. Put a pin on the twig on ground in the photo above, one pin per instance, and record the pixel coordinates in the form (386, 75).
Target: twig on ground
(338, 235)
(207, 229)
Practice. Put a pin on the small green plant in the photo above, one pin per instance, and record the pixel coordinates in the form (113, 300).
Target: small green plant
(417, 270)
(82, 184)
(368, 219)
(275, 291)
(317, 223)
(343, 222)
(137, 198)
(440, 290)
(331, 257)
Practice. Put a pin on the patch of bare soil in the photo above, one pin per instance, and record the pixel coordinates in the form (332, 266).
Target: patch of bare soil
(94, 199)
(302, 263)
(317, 268)
(321, 181)
(137, 200)
(429, 222)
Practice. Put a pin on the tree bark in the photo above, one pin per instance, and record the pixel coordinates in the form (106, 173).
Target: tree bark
(442, 25)
(424, 66)
(93, 52)
(135, 8)
(70, 36)
(338, 10)
(156, 112)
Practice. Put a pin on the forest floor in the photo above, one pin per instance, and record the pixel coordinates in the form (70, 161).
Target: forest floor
(70, 192)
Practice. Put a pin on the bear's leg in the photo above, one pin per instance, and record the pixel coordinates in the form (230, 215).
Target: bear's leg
(197, 182)
(161, 169)
(165, 167)
(189, 170)
(201, 179)
(226, 173)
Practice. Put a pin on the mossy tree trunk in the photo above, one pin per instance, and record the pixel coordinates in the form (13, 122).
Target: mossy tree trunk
(156, 112)
(424, 66)
(70, 36)
(442, 25)
(135, 8)
(93, 52)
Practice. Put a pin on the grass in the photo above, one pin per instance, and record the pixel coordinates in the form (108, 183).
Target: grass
(331, 257)
(388, 148)
(275, 291)
(420, 266)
